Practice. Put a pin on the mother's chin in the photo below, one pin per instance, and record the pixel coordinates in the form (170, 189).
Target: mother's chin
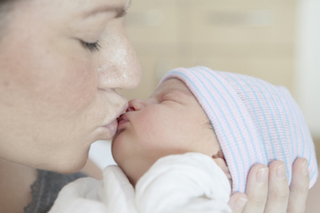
(107, 132)
(66, 163)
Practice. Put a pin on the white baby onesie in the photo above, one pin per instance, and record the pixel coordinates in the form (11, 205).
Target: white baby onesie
(188, 183)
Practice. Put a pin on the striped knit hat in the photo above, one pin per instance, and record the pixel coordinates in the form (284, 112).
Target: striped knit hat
(255, 122)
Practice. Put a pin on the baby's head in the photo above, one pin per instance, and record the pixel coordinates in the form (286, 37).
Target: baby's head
(253, 121)
(170, 121)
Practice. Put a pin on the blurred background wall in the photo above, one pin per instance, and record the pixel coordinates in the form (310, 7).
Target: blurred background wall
(276, 40)
(307, 77)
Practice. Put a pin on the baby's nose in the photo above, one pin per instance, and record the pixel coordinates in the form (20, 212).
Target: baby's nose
(135, 105)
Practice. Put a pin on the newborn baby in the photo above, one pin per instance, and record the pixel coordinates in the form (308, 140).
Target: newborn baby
(225, 122)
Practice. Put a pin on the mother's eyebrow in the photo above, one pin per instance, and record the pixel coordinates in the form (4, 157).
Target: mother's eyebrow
(120, 11)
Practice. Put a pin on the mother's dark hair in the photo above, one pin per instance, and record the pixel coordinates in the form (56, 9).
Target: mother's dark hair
(5, 7)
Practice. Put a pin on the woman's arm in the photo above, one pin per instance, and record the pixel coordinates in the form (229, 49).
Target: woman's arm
(270, 193)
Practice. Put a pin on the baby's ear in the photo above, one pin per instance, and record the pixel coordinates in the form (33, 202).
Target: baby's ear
(221, 162)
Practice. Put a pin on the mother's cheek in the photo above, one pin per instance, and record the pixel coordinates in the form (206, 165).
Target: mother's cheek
(72, 88)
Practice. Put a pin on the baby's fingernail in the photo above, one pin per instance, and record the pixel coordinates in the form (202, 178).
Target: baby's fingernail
(262, 175)
(304, 169)
(281, 172)
(241, 202)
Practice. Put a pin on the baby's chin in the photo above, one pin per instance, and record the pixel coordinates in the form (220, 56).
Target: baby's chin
(118, 132)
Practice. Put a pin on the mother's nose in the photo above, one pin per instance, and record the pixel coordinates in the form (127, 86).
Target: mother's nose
(119, 66)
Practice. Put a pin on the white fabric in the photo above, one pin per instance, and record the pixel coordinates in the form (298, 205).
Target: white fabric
(185, 183)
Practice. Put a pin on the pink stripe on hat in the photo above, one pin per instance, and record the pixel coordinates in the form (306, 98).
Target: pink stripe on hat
(255, 121)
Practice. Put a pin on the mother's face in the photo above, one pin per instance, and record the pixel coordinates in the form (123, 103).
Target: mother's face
(57, 83)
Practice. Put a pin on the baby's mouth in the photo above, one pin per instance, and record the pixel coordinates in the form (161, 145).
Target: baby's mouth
(122, 119)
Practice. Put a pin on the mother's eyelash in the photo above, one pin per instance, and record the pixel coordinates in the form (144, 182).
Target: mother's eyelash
(93, 47)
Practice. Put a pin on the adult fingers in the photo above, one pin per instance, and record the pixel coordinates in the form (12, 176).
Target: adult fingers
(279, 200)
(237, 202)
(257, 189)
(278, 194)
(299, 186)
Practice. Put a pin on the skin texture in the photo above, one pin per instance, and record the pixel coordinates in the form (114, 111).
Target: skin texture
(56, 96)
(170, 121)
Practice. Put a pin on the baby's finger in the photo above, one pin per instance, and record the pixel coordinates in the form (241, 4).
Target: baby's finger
(278, 188)
(257, 189)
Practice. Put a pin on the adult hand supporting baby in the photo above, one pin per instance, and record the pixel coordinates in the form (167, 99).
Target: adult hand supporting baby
(273, 195)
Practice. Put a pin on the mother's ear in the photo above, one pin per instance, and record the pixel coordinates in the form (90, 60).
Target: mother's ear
(221, 162)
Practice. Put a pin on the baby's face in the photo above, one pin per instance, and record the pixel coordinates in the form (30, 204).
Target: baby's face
(170, 121)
